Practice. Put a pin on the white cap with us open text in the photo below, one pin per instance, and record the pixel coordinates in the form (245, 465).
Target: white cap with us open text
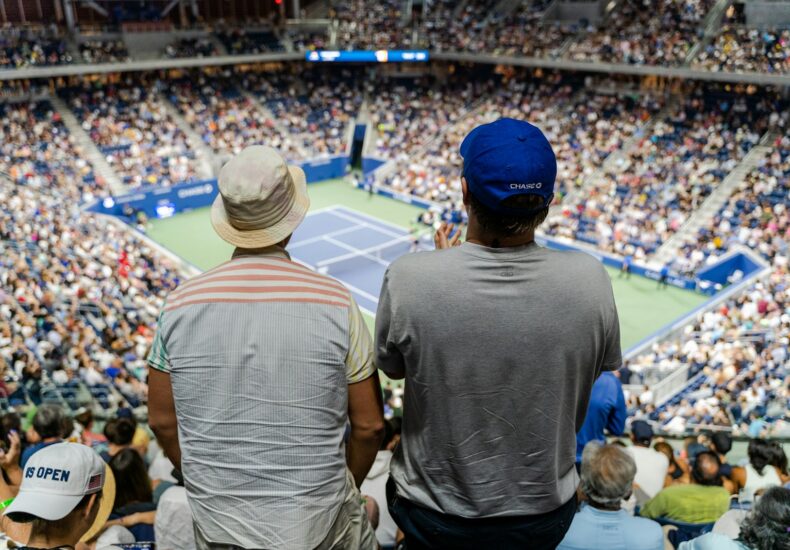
(55, 480)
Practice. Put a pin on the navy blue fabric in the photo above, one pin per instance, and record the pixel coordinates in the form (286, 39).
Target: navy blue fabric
(606, 412)
(508, 157)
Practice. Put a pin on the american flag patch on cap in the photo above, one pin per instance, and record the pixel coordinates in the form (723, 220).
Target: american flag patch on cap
(95, 483)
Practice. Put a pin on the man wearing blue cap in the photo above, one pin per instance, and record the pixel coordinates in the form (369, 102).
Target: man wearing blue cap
(499, 341)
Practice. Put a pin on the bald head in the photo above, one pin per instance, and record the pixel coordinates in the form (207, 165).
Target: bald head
(706, 469)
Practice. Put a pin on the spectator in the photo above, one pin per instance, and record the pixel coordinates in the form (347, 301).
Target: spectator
(678, 471)
(134, 506)
(315, 375)
(119, 433)
(704, 500)
(510, 449)
(48, 426)
(84, 418)
(375, 483)
(606, 412)
(764, 528)
(758, 473)
(62, 496)
(173, 525)
(651, 465)
(607, 476)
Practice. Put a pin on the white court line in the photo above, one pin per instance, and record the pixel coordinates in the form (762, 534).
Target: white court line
(357, 252)
(380, 229)
(371, 218)
(319, 238)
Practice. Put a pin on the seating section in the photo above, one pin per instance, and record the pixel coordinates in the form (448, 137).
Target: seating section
(738, 358)
(240, 41)
(227, 120)
(22, 47)
(191, 47)
(741, 49)
(315, 108)
(756, 215)
(104, 51)
(133, 130)
(634, 207)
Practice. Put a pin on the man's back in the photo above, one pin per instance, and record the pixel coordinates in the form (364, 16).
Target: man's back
(594, 529)
(651, 469)
(500, 349)
(257, 351)
(606, 411)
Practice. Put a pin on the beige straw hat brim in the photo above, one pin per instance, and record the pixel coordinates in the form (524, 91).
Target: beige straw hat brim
(105, 506)
(261, 238)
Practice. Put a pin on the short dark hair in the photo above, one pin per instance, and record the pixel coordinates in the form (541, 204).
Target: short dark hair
(508, 225)
(722, 442)
(49, 421)
(132, 483)
(120, 431)
(706, 469)
(766, 526)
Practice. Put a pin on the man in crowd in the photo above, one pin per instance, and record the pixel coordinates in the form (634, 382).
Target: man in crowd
(61, 495)
(48, 425)
(607, 476)
(267, 361)
(499, 341)
(702, 501)
(606, 412)
(651, 465)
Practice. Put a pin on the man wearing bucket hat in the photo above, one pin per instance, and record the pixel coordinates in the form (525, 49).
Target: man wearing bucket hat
(500, 367)
(256, 368)
(66, 495)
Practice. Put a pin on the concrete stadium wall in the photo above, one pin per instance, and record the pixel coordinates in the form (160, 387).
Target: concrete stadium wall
(767, 14)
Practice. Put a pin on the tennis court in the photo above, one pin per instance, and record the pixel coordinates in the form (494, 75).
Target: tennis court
(352, 247)
(353, 237)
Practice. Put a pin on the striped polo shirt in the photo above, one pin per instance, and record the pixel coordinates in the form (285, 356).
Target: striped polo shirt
(260, 353)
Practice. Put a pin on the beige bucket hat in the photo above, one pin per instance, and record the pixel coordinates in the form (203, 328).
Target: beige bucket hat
(261, 200)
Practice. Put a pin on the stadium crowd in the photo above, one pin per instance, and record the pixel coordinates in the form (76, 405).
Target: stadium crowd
(30, 47)
(104, 51)
(644, 33)
(80, 295)
(131, 126)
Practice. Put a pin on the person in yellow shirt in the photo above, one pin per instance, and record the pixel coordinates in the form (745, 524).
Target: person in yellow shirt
(703, 501)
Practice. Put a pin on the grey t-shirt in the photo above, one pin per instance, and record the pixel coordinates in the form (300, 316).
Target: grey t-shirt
(500, 349)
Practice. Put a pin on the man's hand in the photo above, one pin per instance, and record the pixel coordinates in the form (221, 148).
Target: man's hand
(442, 238)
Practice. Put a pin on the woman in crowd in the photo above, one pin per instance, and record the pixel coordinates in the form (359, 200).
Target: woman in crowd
(678, 471)
(760, 471)
(134, 507)
(766, 527)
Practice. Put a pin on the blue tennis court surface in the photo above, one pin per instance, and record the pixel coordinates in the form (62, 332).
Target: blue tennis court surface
(352, 247)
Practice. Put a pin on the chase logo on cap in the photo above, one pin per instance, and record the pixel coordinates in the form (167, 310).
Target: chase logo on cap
(54, 474)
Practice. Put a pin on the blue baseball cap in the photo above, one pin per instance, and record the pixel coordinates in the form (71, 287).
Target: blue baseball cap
(505, 158)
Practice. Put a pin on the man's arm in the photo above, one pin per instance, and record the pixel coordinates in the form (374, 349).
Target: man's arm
(366, 415)
(388, 356)
(162, 414)
(365, 402)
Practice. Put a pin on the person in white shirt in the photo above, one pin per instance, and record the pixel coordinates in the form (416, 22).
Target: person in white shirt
(760, 472)
(376, 481)
(651, 465)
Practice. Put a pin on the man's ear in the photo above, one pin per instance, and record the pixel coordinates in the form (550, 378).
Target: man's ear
(94, 501)
(465, 191)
